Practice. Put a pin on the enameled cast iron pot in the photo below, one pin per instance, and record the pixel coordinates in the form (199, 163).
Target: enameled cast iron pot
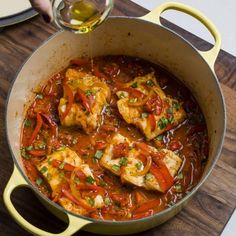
(143, 37)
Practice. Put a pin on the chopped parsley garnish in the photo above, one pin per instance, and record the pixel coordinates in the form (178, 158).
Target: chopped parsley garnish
(91, 202)
(171, 120)
(133, 100)
(27, 123)
(61, 166)
(134, 85)
(25, 154)
(178, 188)
(148, 176)
(39, 181)
(98, 154)
(180, 175)
(29, 148)
(123, 161)
(88, 93)
(150, 83)
(102, 183)
(41, 145)
(162, 123)
(43, 169)
(108, 110)
(39, 96)
(144, 115)
(107, 200)
(90, 180)
(139, 165)
(115, 167)
(169, 110)
(176, 105)
(121, 95)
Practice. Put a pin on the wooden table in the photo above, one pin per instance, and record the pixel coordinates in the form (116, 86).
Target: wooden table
(210, 208)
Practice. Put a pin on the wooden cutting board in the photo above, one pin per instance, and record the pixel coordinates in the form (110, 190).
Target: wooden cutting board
(208, 211)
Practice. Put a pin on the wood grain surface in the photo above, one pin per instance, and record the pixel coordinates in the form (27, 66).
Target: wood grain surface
(208, 211)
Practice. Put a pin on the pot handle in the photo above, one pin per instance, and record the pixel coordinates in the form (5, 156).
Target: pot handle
(210, 55)
(16, 180)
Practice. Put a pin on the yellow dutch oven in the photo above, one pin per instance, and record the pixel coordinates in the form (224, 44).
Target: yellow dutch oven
(143, 37)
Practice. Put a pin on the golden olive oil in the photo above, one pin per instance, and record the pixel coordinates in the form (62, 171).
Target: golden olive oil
(82, 16)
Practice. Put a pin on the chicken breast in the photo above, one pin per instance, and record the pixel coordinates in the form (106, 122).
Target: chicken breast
(143, 103)
(127, 166)
(89, 95)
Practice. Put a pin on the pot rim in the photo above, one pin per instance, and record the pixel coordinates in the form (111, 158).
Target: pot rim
(179, 203)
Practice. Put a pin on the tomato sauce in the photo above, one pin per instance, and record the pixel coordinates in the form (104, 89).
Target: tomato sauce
(42, 134)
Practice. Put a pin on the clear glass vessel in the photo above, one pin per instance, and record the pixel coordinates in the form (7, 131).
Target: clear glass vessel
(80, 16)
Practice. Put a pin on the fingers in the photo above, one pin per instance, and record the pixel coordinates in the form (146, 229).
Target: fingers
(44, 7)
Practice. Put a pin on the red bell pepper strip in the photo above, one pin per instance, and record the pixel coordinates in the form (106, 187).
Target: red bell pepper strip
(37, 153)
(67, 194)
(37, 128)
(159, 177)
(66, 166)
(83, 99)
(142, 215)
(152, 121)
(70, 97)
(149, 205)
(52, 124)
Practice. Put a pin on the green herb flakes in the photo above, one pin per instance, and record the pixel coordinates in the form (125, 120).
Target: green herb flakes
(169, 110)
(121, 95)
(108, 110)
(149, 176)
(38, 181)
(88, 93)
(123, 161)
(115, 167)
(90, 180)
(176, 105)
(24, 154)
(162, 123)
(41, 146)
(178, 188)
(144, 115)
(27, 123)
(180, 176)
(133, 100)
(171, 120)
(98, 154)
(102, 183)
(150, 83)
(39, 96)
(134, 85)
(91, 202)
(29, 148)
(107, 201)
(139, 165)
(61, 166)
(43, 169)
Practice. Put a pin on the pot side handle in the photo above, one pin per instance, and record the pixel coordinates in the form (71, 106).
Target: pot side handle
(16, 180)
(210, 55)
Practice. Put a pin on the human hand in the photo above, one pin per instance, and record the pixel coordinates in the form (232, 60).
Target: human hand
(43, 7)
